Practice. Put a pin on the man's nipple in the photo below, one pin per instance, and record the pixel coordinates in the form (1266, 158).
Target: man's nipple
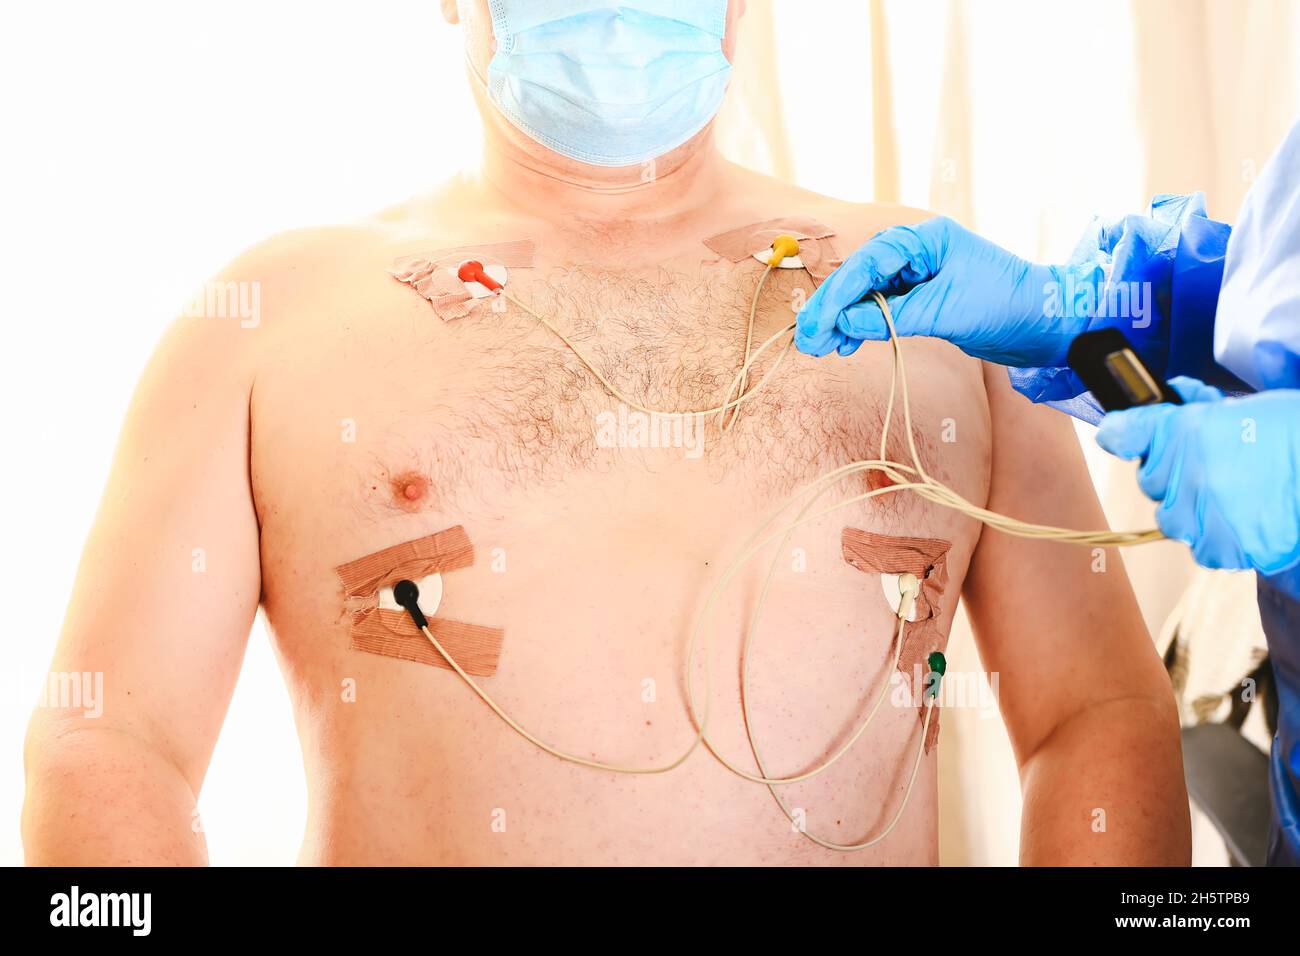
(410, 490)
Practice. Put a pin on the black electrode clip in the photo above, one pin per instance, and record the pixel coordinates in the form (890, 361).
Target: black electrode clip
(407, 595)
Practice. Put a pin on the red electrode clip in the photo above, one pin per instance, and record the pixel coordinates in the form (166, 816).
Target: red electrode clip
(473, 271)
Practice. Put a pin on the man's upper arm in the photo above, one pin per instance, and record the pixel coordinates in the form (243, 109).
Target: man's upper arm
(169, 580)
(1058, 622)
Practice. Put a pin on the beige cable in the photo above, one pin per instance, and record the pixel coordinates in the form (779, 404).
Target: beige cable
(742, 378)
(728, 403)
(541, 744)
(905, 477)
(928, 488)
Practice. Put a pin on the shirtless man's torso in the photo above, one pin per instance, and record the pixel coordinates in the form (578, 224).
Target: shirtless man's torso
(353, 418)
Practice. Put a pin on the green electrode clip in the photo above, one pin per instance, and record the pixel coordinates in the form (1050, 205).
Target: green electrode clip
(938, 665)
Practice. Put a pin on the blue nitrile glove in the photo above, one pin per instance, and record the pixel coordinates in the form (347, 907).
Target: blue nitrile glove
(1226, 472)
(945, 281)
(1155, 277)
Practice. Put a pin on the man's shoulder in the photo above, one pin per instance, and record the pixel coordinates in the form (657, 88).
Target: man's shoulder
(312, 253)
(309, 272)
(324, 257)
(854, 222)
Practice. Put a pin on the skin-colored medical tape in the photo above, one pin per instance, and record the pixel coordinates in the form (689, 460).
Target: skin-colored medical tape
(433, 274)
(812, 250)
(815, 247)
(392, 633)
(927, 558)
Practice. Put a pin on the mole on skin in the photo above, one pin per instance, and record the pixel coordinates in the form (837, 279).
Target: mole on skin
(410, 490)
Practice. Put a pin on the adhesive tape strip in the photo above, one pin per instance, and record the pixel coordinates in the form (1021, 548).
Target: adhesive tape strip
(380, 627)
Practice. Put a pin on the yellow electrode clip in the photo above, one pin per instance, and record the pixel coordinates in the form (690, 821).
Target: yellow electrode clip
(782, 247)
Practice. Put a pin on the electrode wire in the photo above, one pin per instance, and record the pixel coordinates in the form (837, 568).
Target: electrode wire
(742, 377)
(541, 744)
(919, 482)
(702, 716)
(941, 494)
(698, 715)
(730, 403)
(898, 815)
(749, 549)
(928, 487)
(906, 603)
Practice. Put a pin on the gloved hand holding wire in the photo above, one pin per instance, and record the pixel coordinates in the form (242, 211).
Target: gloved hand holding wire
(1154, 276)
(943, 280)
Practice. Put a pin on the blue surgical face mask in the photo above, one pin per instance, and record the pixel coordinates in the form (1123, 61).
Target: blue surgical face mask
(611, 84)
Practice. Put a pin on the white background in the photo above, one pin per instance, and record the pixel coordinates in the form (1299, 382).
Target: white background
(146, 144)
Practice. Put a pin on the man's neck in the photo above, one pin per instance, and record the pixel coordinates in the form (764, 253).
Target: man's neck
(669, 188)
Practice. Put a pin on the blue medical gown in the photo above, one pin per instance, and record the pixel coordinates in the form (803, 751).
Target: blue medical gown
(1168, 266)
(1257, 336)
(1226, 311)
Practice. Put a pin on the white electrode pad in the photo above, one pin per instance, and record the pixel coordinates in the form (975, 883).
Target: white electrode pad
(789, 262)
(430, 595)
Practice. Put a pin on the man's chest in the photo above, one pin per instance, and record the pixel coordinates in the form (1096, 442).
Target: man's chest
(389, 411)
(597, 530)
(500, 397)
